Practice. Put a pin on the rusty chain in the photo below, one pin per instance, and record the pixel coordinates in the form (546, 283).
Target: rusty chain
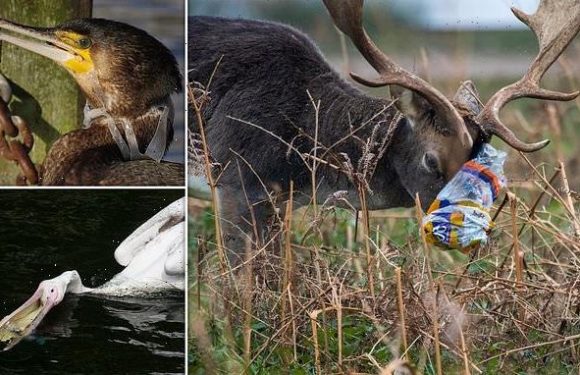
(16, 138)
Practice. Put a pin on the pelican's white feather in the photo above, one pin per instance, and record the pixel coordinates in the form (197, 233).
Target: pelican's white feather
(149, 230)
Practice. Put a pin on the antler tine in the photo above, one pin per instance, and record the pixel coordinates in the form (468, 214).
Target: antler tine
(347, 16)
(555, 23)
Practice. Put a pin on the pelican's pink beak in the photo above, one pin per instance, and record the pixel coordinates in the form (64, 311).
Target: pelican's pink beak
(26, 318)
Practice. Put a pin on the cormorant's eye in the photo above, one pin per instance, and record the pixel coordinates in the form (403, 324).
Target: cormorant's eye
(84, 43)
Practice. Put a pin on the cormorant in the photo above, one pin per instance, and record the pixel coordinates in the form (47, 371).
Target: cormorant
(127, 77)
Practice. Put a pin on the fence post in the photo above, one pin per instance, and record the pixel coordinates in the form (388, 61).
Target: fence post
(44, 93)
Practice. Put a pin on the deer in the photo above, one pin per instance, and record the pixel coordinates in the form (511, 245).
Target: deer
(273, 106)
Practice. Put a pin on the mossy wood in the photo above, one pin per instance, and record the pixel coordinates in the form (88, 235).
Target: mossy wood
(44, 94)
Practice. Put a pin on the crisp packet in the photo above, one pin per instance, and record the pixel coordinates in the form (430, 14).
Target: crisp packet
(459, 217)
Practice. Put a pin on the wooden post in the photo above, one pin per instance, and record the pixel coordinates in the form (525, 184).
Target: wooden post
(45, 95)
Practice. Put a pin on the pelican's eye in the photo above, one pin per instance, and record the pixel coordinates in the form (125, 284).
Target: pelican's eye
(52, 290)
(84, 43)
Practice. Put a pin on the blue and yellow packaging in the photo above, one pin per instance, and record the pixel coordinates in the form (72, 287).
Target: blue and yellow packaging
(459, 217)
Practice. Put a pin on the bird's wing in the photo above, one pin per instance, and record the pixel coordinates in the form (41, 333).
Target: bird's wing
(159, 265)
(136, 242)
(146, 172)
(175, 262)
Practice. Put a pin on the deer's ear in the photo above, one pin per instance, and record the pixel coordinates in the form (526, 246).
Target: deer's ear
(411, 104)
(468, 97)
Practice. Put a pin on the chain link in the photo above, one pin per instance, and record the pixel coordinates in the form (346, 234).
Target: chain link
(16, 141)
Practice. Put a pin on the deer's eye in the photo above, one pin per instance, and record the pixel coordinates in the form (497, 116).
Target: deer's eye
(431, 163)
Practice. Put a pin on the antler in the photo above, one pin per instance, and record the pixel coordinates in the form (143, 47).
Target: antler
(555, 23)
(347, 15)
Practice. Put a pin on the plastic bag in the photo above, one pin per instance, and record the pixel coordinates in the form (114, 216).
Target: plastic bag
(459, 217)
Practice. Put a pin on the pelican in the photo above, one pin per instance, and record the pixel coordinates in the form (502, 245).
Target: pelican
(154, 260)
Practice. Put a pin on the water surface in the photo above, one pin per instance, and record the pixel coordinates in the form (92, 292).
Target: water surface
(46, 232)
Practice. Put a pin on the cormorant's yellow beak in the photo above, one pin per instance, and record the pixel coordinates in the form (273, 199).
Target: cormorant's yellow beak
(67, 48)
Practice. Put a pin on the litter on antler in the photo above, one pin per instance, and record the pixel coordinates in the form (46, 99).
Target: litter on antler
(459, 217)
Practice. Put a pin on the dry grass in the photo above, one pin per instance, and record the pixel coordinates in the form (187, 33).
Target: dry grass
(309, 306)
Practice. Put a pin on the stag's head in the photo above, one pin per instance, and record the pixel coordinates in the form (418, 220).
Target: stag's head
(440, 135)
